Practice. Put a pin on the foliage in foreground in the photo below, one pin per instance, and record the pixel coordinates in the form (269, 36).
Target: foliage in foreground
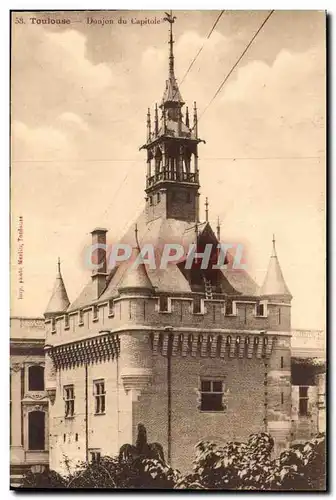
(234, 466)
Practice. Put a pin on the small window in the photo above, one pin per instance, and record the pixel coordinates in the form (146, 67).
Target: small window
(111, 308)
(163, 303)
(197, 305)
(151, 200)
(66, 321)
(260, 309)
(303, 401)
(279, 316)
(80, 313)
(158, 198)
(228, 308)
(99, 394)
(69, 401)
(36, 378)
(95, 312)
(53, 325)
(212, 395)
(95, 456)
(282, 398)
(281, 362)
(76, 437)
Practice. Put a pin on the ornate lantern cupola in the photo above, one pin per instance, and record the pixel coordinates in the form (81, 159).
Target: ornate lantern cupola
(172, 181)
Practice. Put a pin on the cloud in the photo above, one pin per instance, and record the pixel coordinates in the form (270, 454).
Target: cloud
(73, 119)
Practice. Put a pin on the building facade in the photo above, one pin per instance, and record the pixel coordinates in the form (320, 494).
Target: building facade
(29, 434)
(192, 353)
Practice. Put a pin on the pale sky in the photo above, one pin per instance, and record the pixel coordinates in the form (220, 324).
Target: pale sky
(80, 94)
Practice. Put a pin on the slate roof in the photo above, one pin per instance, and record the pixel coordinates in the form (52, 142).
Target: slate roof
(59, 301)
(168, 280)
(274, 283)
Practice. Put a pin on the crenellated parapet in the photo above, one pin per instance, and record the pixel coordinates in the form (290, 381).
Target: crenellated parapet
(195, 312)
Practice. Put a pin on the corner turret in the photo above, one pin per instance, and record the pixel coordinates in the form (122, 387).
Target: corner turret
(59, 301)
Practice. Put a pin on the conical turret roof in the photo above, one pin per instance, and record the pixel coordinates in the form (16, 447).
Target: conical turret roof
(274, 283)
(135, 276)
(59, 301)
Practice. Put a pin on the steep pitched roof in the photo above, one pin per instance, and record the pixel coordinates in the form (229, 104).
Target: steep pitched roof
(274, 283)
(59, 301)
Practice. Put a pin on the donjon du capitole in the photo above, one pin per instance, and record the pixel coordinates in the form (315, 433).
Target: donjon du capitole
(191, 354)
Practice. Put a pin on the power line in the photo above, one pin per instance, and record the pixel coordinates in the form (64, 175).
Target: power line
(200, 50)
(236, 63)
(134, 160)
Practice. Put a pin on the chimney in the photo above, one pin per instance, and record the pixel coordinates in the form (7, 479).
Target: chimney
(99, 259)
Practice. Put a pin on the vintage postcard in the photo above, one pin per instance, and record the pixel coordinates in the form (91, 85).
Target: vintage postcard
(168, 246)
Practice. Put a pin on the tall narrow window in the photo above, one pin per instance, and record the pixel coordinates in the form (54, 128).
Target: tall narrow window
(111, 308)
(282, 398)
(212, 395)
(303, 401)
(36, 430)
(197, 304)
(163, 303)
(69, 401)
(99, 394)
(279, 316)
(281, 362)
(228, 307)
(36, 378)
(260, 309)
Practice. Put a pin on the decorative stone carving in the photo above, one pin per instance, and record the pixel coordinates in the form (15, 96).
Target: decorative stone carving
(135, 380)
(16, 367)
(51, 395)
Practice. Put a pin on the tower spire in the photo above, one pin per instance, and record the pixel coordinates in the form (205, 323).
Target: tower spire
(206, 209)
(171, 96)
(274, 283)
(59, 300)
(170, 18)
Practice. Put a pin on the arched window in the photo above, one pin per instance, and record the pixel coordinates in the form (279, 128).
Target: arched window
(36, 430)
(36, 378)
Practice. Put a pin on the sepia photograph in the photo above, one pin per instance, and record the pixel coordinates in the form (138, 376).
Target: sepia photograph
(168, 250)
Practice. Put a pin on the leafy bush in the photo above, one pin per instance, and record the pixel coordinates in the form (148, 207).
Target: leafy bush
(234, 466)
(249, 466)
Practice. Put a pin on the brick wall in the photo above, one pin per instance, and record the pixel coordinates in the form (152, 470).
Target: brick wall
(243, 378)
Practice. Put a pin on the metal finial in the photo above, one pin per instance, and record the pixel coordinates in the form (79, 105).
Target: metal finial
(206, 209)
(58, 264)
(171, 19)
(218, 228)
(136, 234)
(273, 242)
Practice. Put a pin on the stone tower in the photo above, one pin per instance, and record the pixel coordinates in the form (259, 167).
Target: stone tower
(178, 348)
